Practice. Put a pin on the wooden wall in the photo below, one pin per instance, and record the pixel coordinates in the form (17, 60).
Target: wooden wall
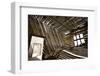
(53, 38)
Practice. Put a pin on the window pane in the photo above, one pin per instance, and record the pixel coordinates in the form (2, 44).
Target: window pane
(77, 36)
(75, 42)
(82, 40)
(79, 42)
(36, 49)
(74, 37)
(81, 35)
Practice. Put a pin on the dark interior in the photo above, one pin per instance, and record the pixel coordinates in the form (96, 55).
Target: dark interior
(60, 33)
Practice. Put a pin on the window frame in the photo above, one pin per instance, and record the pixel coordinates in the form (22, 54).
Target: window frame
(78, 39)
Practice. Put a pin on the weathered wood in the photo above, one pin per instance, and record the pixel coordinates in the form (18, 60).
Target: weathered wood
(52, 28)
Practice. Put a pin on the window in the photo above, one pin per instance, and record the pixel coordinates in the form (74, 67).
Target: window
(36, 49)
(78, 39)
